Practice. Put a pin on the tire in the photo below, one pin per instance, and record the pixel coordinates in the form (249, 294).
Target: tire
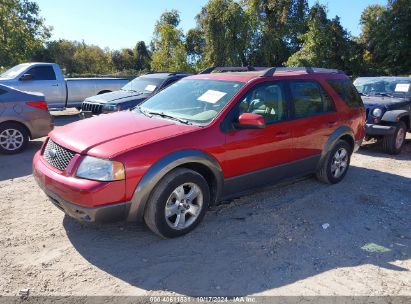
(13, 138)
(171, 194)
(392, 144)
(327, 172)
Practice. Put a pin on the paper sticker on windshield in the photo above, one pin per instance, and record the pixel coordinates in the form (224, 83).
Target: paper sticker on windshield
(402, 87)
(211, 96)
(150, 88)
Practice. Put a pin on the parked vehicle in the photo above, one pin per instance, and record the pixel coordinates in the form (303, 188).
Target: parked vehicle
(131, 95)
(22, 116)
(48, 79)
(388, 105)
(205, 138)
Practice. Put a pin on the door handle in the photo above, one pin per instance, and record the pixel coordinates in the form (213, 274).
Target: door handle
(332, 123)
(54, 85)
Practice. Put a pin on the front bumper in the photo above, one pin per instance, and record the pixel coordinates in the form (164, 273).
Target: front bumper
(84, 200)
(377, 130)
(111, 213)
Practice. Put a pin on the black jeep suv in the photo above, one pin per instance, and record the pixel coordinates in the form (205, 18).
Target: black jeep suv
(388, 107)
(131, 95)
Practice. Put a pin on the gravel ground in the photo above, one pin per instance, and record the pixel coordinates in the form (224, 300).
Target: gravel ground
(272, 242)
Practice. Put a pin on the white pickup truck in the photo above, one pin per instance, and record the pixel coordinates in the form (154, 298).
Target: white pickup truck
(47, 78)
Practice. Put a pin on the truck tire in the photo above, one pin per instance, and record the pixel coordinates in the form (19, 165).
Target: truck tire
(177, 204)
(13, 138)
(392, 144)
(336, 163)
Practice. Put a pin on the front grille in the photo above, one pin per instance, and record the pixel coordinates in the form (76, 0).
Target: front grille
(92, 107)
(367, 112)
(57, 156)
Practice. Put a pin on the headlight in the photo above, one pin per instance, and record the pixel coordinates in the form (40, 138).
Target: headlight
(111, 108)
(100, 169)
(377, 112)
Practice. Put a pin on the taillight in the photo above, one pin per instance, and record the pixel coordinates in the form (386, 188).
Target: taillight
(38, 104)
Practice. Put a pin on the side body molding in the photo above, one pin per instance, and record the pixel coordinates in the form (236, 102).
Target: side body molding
(332, 140)
(165, 165)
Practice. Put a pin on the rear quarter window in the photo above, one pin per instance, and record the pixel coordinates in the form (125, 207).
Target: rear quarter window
(346, 90)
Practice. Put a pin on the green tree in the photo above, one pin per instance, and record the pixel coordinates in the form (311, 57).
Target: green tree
(195, 45)
(386, 36)
(227, 34)
(22, 31)
(327, 44)
(142, 56)
(169, 52)
(277, 26)
(91, 59)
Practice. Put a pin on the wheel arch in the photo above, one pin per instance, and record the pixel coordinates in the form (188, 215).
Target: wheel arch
(18, 123)
(341, 133)
(196, 160)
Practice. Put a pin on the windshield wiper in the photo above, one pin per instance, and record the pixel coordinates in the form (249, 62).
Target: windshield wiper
(364, 94)
(148, 114)
(384, 94)
(164, 115)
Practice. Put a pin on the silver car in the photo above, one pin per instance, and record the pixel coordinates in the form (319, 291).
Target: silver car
(23, 116)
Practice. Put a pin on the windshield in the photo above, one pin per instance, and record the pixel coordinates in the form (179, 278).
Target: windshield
(383, 86)
(193, 100)
(14, 71)
(143, 84)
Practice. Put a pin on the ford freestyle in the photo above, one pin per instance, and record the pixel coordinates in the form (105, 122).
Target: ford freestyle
(206, 138)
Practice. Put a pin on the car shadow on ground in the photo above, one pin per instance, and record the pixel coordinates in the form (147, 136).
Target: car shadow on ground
(375, 149)
(265, 240)
(19, 165)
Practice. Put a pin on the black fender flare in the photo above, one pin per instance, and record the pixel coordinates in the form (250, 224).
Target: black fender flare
(394, 115)
(163, 166)
(332, 140)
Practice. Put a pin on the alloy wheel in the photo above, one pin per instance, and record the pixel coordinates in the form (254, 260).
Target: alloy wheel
(11, 139)
(184, 206)
(339, 163)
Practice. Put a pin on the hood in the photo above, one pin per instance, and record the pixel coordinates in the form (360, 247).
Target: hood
(117, 97)
(371, 101)
(110, 134)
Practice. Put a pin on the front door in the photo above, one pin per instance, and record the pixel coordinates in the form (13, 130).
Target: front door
(44, 80)
(250, 154)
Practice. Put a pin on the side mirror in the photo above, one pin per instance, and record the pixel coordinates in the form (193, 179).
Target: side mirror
(26, 77)
(250, 121)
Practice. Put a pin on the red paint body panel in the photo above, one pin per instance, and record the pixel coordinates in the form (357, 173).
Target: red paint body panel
(138, 142)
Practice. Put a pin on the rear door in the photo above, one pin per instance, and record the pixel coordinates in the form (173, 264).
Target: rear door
(314, 117)
(44, 80)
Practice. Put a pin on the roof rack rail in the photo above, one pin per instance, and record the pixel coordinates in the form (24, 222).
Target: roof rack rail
(232, 69)
(308, 70)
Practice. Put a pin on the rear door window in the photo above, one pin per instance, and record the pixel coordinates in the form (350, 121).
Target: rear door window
(309, 98)
(346, 90)
(42, 73)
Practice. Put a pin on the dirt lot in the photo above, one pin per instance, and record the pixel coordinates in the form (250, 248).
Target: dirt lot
(269, 243)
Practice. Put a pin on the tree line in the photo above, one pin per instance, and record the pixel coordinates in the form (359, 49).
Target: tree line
(227, 33)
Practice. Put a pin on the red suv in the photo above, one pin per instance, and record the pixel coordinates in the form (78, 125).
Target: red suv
(205, 138)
